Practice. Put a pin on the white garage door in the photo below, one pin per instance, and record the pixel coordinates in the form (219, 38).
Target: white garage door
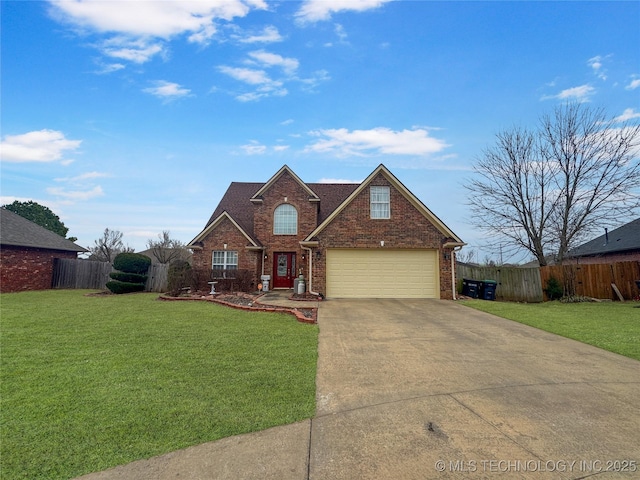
(359, 273)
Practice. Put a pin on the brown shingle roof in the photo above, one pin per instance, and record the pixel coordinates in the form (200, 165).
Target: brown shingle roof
(236, 201)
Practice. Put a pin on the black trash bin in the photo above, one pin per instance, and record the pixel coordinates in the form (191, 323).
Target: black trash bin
(488, 289)
(470, 288)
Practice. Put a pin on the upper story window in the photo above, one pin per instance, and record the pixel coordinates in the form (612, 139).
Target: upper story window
(380, 202)
(285, 220)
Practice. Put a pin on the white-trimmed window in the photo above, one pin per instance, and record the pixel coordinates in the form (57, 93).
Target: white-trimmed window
(285, 220)
(224, 263)
(380, 202)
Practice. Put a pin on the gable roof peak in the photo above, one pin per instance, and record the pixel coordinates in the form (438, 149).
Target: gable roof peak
(398, 185)
(285, 169)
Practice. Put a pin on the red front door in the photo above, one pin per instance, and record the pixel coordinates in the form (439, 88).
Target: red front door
(284, 269)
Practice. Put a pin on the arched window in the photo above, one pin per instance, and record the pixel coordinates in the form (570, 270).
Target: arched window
(285, 220)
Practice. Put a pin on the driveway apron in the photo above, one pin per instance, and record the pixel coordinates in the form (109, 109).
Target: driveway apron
(420, 389)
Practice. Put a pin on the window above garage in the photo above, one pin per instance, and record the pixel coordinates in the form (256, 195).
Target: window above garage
(380, 202)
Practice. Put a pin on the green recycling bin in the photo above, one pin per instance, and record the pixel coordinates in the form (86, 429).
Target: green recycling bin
(488, 289)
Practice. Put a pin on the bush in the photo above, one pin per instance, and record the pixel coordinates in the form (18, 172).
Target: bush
(242, 281)
(179, 276)
(132, 263)
(124, 287)
(129, 277)
(553, 289)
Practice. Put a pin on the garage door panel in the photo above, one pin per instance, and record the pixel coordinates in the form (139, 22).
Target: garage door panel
(359, 273)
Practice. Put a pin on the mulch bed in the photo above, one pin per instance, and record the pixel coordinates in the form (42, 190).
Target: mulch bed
(246, 301)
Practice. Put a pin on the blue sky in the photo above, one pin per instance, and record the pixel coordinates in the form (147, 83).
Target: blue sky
(136, 115)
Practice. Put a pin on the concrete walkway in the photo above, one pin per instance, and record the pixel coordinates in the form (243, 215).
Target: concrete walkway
(421, 389)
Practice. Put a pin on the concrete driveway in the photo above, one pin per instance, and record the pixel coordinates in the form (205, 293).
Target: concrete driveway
(419, 389)
(424, 389)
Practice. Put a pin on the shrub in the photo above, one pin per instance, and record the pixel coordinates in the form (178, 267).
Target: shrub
(128, 277)
(131, 277)
(179, 276)
(242, 281)
(124, 287)
(132, 263)
(553, 289)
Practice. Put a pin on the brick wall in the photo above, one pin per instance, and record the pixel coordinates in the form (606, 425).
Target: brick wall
(224, 233)
(609, 258)
(27, 268)
(407, 228)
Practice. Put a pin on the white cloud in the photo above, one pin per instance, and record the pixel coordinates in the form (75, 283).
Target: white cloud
(596, 65)
(580, 93)
(82, 177)
(138, 50)
(267, 59)
(376, 141)
(109, 68)
(139, 22)
(266, 87)
(167, 90)
(317, 10)
(76, 195)
(635, 83)
(341, 33)
(310, 83)
(280, 148)
(37, 146)
(288, 121)
(270, 34)
(628, 114)
(254, 148)
(246, 75)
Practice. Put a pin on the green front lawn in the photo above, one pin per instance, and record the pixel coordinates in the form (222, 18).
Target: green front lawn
(92, 382)
(613, 326)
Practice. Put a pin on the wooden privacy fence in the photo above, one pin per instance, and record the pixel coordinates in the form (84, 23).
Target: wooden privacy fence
(514, 284)
(70, 273)
(594, 280)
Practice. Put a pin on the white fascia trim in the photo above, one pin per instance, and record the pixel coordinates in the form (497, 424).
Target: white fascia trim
(215, 223)
(272, 180)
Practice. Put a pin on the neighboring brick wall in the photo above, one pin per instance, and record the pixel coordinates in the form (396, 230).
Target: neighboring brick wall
(28, 268)
(609, 258)
(407, 228)
(225, 232)
(285, 187)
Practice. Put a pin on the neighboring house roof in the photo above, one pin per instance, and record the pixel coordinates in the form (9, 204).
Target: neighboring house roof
(175, 253)
(19, 232)
(624, 238)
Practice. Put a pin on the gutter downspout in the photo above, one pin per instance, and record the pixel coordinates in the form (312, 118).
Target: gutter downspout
(453, 270)
(310, 270)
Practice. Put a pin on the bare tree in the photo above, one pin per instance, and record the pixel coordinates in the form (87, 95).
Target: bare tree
(597, 164)
(166, 249)
(546, 189)
(108, 246)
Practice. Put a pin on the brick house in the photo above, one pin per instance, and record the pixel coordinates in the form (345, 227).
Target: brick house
(27, 251)
(619, 245)
(373, 239)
